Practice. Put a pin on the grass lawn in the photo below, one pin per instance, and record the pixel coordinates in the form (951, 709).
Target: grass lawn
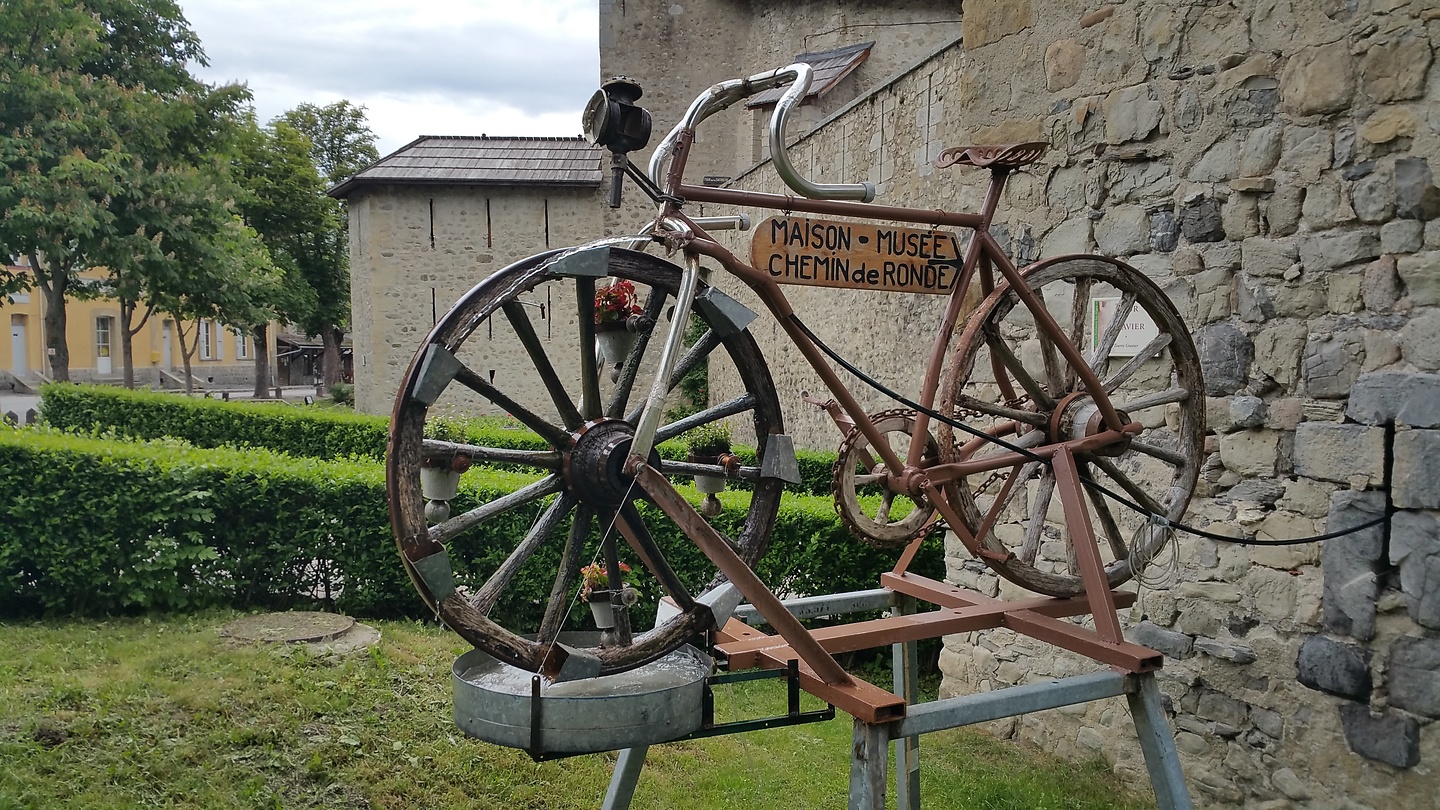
(163, 712)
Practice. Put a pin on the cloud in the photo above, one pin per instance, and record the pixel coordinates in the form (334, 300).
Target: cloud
(528, 65)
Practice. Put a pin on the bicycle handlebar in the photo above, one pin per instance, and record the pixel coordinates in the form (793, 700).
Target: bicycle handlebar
(726, 93)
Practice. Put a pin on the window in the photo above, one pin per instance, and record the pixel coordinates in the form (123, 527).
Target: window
(103, 328)
(207, 351)
(242, 345)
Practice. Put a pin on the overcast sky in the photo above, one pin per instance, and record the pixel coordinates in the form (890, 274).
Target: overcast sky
(423, 67)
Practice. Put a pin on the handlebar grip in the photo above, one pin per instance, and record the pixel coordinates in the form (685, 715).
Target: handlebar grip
(794, 94)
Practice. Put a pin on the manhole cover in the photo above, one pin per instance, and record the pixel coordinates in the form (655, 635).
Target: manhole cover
(292, 627)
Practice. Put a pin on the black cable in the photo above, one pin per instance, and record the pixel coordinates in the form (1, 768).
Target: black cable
(1085, 478)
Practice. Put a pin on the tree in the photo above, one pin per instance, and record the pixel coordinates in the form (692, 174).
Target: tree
(83, 94)
(340, 144)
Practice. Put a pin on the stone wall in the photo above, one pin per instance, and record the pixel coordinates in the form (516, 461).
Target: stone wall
(1270, 163)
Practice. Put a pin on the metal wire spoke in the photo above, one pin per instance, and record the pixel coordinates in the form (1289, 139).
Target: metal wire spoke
(542, 459)
(740, 404)
(1037, 392)
(589, 368)
(1149, 352)
(565, 577)
(632, 528)
(1079, 312)
(525, 330)
(1153, 400)
(1112, 331)
(548, 522)
(626, 383)
(555, 435)
(447, 531)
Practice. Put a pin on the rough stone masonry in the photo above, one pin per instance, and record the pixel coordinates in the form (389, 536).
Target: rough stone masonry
(1272, 164)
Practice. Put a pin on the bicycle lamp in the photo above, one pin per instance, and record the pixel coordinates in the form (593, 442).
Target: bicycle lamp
(613, 120)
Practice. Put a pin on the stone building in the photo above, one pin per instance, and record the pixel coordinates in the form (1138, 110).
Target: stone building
(1269, 164)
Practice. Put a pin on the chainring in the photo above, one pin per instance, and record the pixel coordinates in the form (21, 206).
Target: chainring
(879, 530)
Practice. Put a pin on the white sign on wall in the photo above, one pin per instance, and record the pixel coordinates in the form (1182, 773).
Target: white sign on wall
(1139, 328)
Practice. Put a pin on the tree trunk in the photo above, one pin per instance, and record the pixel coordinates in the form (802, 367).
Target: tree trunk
(127, 349)
(330, 337)
(262, 360)
(53, 281)
(185, 352)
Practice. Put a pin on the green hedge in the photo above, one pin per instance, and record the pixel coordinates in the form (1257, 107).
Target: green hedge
(95, 526)
(301, 431)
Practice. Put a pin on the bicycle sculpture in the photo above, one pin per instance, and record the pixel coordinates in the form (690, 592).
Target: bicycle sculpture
(1072, 377)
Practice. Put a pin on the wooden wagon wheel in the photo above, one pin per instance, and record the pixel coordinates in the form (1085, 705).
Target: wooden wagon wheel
(491, 348)
(1007, 372)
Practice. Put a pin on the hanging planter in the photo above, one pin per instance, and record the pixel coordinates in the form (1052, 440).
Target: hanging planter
(595, 590)
(617, 319)
(614, 340)
(602, 610)
(439, 482)
(710, 445)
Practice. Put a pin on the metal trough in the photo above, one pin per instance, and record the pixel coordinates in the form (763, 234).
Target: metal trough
(658, 702)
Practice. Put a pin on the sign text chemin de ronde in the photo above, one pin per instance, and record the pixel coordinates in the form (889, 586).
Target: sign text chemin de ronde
(855, 255)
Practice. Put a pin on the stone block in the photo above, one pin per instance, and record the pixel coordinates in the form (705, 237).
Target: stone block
(1340, 452)
(1217, 164)
(1348, 563)
(1164, 231)
(1283, 211)
(988, 22)
(1415, 550)
(1379, 285)
(1339, 248)
(1402, 236)
(1335, 668)
(1373, 198)
(1308, 152)
(1323, 207)
(1222, 708)
(1417, 461)
(1225, 355)
(1403, 397)
(1201, 221)
(1421, 275)
(1288, 783)
(1270, 723)
(1420, 340)
(1331, 365)
(1389, 123)
(1234, 653)
(1278, 348)
(1413, 675)
(1131, 114)
(1247, 412)
(1251, 452)
(1168, 642)
(1064, 60)
(1394, 70)
(1261, 256)
(1262, 491)
(1123, 231)
(1261, 151)
(1318, 79)
(1391, 738)
(1416, 196)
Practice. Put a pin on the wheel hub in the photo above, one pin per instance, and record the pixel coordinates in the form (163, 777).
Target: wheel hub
(595, 464)
(1078, 417)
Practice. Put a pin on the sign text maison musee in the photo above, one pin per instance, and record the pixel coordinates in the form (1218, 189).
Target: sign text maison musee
(856, 255)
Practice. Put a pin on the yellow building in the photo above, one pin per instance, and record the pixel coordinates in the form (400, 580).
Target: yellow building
(223, 358)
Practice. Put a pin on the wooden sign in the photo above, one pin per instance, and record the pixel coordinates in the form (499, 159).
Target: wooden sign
(856, 255)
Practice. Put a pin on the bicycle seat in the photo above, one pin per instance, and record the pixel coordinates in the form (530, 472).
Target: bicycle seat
(1008, 156)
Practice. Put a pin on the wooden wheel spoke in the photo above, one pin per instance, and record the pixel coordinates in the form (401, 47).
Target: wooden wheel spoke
(1163, 453)
(632, 528)
(589, 367)
(628, 372)
(866, 479)
(444, 532)
(693, 356)
(546, 524)
(1107, 523)
(555, 435)
(565, 577)
(1079, 315)
(543, 459)
(740, 404)
(1132, 489)
(525, 331)
(882, 515)
(999, 348)
(1001, 411)
(1101, 355)
(1152, 400)
(1054, 376)
(1149, 352)
(1039, 507)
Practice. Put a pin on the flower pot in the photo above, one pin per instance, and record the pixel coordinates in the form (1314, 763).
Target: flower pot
(614, 342)
(438, 483)
(601, 609)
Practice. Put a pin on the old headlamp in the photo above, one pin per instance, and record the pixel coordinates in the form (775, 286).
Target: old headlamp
(613, 120)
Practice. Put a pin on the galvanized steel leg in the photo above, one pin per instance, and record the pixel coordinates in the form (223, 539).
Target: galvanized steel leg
(868, 758)
(622, 782)
(1157, 740)
(907, 685)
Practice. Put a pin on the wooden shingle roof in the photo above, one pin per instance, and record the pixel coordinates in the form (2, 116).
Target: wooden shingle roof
(483, 161)
(830, 67)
